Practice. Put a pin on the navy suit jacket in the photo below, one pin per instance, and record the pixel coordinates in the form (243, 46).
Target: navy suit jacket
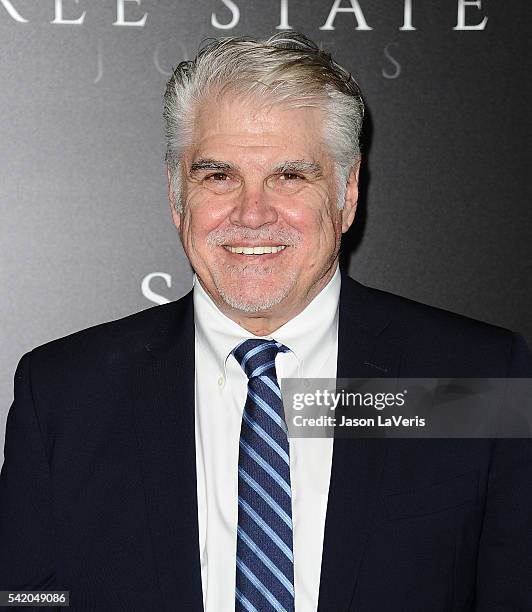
(98, 488)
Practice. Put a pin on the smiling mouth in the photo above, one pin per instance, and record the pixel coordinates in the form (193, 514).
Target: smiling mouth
(254, 250)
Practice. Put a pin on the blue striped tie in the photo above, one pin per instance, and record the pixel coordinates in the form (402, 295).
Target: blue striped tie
(264, 554)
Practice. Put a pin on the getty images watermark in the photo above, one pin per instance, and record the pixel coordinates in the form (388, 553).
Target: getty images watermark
(408, 407)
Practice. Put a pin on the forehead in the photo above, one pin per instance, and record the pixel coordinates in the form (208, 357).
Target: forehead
(244, 131)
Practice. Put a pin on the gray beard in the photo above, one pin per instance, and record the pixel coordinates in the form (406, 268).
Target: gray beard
(238, 302)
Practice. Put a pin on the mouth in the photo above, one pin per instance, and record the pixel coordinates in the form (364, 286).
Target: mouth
(256, 251)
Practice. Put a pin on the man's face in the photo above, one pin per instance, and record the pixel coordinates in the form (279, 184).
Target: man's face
(260, 223)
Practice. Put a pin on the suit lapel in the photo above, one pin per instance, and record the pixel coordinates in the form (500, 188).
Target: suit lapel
(357, 464)
(163, 403)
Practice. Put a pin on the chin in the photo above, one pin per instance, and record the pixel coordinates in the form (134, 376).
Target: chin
(257, 294)
(252, 298)
(251, 303)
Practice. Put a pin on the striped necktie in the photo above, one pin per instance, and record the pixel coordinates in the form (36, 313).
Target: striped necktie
(264, 555)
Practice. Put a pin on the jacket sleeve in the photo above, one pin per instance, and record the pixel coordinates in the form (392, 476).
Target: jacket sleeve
(26, 526)
(504, 570)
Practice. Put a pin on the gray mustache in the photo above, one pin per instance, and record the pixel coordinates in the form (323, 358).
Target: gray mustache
(233, 235)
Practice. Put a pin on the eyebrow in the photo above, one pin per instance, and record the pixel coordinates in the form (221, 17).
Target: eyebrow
(299, 165)
(295, 166)
(211, 164)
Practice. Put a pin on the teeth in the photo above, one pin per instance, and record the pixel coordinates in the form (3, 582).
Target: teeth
(258, 250)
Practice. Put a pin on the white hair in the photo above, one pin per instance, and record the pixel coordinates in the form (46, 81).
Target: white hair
(286, 69)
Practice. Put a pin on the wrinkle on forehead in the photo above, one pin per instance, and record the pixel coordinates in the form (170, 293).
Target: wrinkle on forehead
(253, 115)
(236, 129)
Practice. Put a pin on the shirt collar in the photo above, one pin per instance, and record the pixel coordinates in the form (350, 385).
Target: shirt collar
(218, 334)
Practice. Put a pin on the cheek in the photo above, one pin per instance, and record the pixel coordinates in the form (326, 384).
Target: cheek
(302, 214)
(202, 218)
(319, 225)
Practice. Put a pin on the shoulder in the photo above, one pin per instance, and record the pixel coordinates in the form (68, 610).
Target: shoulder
(115, 341)
(405, 315)
(428, 333)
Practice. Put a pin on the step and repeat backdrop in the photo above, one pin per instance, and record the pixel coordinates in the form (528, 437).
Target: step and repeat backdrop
(85, 229)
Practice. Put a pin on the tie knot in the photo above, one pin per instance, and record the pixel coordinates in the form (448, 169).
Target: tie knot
(256, 357)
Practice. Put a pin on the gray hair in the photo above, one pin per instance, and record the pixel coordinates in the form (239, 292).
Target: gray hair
(287, 69)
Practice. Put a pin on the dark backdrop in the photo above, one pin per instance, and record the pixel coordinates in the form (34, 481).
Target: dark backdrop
(86, 234)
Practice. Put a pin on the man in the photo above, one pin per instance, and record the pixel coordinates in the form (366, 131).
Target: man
(147, 465)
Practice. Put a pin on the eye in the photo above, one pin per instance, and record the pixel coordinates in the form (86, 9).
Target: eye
(290, 176)
(218, 177)
(220, 182)
(286, 182)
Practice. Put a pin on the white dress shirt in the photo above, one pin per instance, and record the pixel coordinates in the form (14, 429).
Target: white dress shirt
(220, 392)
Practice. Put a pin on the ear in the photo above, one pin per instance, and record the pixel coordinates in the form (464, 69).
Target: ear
(351, 198)
(176, 217)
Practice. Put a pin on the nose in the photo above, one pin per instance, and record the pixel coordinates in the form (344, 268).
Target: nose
(253, 208)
